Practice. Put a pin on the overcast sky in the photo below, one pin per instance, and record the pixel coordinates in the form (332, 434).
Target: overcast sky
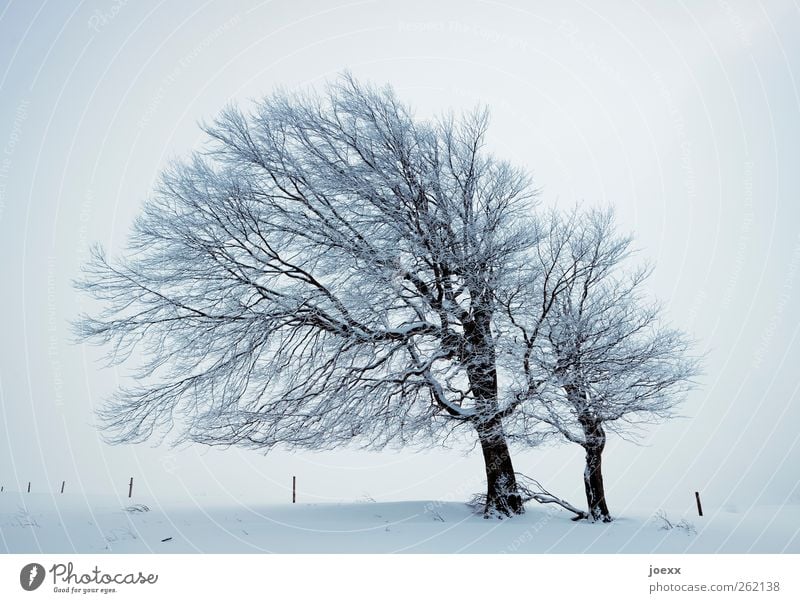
(684, 116)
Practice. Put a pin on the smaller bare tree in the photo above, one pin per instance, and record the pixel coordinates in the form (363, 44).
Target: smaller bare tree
(602, 359)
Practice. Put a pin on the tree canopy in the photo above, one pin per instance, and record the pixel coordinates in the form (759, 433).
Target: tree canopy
(330, 269)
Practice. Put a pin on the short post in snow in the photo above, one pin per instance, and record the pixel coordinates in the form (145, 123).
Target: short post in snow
(130, 488)
(29, 487)
(63, 482)
(294, 489)
(699, 506)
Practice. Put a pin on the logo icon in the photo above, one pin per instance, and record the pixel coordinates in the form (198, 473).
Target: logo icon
(31, 576)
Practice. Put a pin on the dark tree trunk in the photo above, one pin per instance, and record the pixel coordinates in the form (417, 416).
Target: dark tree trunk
(502, 493)
(593, 473)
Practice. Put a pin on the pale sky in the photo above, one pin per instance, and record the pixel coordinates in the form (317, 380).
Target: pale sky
(684, 116)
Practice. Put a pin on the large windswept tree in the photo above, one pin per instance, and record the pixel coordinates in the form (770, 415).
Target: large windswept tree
(327, 270)
(602, 359)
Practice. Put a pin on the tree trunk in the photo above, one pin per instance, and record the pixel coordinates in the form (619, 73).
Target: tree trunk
(593, 473)
(502, 493)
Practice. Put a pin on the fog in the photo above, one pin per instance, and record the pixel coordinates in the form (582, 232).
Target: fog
(686, 119)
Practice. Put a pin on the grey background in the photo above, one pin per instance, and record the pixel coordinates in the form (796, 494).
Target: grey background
(684, 116)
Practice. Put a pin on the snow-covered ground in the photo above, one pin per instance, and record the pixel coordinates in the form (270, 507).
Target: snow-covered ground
(67, 524)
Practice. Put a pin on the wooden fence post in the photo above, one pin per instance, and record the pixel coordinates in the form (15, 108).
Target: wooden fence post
(294, 489)
(130, 488)
(29, 487)
(699, 506)
(63, 482)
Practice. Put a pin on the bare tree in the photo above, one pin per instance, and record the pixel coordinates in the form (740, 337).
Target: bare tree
(602, 358)
(326, 271)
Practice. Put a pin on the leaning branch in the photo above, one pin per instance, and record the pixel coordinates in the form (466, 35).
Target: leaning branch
(531, 489)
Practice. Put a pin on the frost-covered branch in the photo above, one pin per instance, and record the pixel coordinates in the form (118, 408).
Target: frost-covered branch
(326, 270)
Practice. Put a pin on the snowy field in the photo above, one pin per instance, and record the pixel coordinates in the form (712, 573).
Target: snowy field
(32, 523)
